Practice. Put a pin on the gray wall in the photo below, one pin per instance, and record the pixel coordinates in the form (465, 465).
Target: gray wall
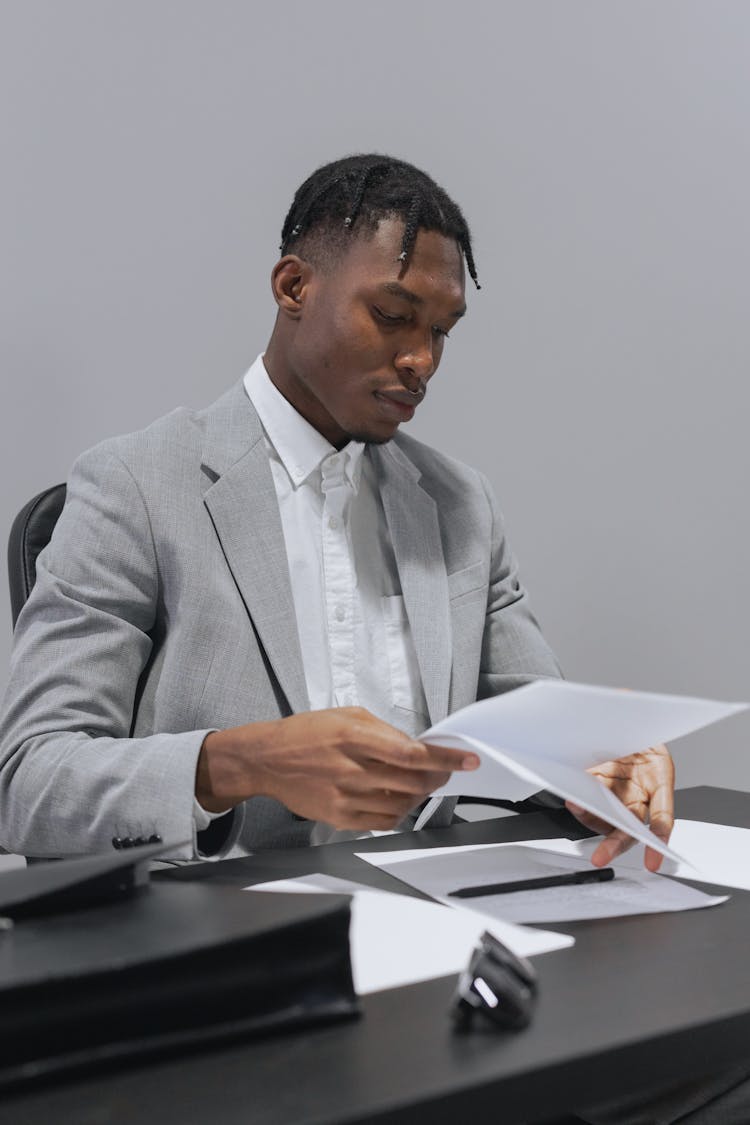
(149, 151)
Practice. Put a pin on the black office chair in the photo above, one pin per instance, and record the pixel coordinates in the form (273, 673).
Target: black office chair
(31, 531)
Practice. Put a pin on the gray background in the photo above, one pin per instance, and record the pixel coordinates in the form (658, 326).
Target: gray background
(601, 152)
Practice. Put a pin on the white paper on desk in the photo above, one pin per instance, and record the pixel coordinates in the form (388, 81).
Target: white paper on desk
(546, 734)
(437, 871)
(713, 853)
(398, 939)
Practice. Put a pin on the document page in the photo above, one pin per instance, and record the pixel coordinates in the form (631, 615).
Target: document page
(713, 853)
(547, 734)
(438, 872)
(398, 939)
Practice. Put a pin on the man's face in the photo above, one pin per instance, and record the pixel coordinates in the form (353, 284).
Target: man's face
(368, 334)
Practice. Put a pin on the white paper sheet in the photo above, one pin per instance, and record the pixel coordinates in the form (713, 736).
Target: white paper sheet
(633, 891)
(546, 734)
(397, 939)
(713, 853)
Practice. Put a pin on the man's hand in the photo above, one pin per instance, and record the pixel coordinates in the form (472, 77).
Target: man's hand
(645, 784)
(342, 766)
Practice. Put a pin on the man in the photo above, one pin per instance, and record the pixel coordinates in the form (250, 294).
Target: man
(246, 615)
(255, 609)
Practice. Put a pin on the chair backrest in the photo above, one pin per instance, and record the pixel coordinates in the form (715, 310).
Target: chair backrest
(31, 531)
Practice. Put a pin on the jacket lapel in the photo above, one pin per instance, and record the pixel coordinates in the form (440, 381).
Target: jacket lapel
(241, 501)
(412, 519)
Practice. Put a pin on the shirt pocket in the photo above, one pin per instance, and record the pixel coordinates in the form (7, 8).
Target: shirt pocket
(407, 692)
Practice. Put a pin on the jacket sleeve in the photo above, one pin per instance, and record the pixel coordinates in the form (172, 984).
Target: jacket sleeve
(72, 777)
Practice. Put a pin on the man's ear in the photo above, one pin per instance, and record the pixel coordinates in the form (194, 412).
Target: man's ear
(290, 280)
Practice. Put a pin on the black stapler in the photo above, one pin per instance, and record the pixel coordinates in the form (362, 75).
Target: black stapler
(497, 984)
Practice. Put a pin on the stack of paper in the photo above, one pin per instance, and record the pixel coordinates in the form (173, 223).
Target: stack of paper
(547, 734)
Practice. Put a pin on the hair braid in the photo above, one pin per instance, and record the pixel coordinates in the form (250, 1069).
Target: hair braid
(469, 255)
(411, 226)
(305, 200)
(359, 192)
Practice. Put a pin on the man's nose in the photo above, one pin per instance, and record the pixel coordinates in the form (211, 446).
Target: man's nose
(416, 363)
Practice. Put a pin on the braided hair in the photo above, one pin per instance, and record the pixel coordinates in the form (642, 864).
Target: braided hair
(358, 191)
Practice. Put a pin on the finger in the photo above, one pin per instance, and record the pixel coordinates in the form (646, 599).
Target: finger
(614, 844)
(407, 753)
(662, 823)
(661, 808)
(445, 759)
(381, 802)
(382, 816)
(363, 735)
(615, 841)
(371, 776)
(653, 859)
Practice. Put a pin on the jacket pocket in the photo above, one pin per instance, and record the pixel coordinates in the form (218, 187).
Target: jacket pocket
(471, 580)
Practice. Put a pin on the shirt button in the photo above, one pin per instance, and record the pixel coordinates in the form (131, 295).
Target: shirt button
(333, 523)
(340, 613)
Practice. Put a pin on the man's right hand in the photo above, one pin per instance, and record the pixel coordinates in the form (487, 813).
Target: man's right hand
(341, 766)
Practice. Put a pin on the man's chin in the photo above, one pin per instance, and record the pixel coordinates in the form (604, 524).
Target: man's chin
(376, 435)
(372, 439)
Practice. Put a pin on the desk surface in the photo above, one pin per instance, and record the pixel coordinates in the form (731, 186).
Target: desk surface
(637, 1000)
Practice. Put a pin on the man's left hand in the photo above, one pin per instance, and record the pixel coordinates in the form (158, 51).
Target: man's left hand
(644, 783)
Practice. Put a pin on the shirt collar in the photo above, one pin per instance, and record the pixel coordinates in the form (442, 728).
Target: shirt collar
(298, 445)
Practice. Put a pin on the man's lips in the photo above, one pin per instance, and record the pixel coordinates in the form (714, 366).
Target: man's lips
(399, 404)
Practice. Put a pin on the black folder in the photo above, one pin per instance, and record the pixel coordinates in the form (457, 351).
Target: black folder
(170, 965)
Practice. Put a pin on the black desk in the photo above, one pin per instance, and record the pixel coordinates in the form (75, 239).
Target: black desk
(636, 1000)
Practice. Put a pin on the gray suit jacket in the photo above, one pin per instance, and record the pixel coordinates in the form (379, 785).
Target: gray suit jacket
(163, 609)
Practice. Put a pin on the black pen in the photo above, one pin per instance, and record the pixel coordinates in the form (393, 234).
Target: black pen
(595, 875)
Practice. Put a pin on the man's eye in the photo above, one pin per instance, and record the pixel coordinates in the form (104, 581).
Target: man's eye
(386, 318)
(440, 332)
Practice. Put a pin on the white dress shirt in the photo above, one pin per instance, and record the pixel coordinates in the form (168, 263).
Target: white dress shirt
(357, 648)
